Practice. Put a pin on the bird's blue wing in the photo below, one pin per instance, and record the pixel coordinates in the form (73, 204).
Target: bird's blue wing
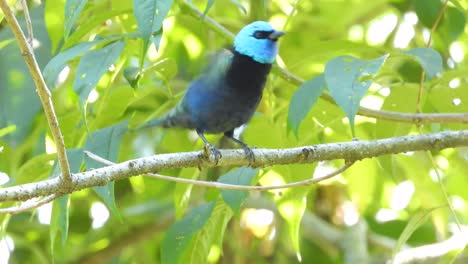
(201, 91)
(217, 68)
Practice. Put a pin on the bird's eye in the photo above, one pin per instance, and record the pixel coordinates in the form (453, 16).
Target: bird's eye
(261, 34)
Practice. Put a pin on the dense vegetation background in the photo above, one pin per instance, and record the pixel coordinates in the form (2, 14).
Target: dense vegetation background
(112, 64)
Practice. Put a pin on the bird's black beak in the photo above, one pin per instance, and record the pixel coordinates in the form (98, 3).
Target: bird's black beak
(276, 34)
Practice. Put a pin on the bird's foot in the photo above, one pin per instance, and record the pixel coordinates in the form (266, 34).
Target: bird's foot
(210, 149)
(249, 154)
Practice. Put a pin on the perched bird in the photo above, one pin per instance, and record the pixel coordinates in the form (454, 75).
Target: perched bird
(229, 90)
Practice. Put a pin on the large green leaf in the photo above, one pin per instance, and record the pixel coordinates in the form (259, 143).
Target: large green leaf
(92, 66)
(57, 63)
(292, 209)
(181, 233)
(211, 235)
(452, 25)
(150, 15)
(54, 18)
(427, 11)
(430, 60)
(105, 143)
(59, 220)
(73, 9)
(36, 168)
(348, 80)
(242, 176)
(182, 191)
(303, 100)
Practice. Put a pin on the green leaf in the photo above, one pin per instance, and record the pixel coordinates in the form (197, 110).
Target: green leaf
(57, 63)
(4, 43)
(181, 233)
(10, 3)
(60, 210)
(54, 21)
(73, 9)
(59, 220)
(182, 191)
(132, 75)
(150, 15)
(105, 143)
(242, 176)
(241, 7)
(292, 209)
(36, 168)
(348, 79)
(453, 25)
(209, 4)
(414, 223)
(210, 235)
(166, 67)
(112, 106)
(427, 11)
(303, 100)
(89, 25)
(430, 60)
(92, 66)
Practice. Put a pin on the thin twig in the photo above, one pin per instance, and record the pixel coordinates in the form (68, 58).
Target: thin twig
(428, 44)
(225, 186)
(27, 17)
(352, 150)
(295, 80)
(28, 205)
(43, 92)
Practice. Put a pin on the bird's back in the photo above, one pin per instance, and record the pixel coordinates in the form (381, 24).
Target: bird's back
(224, 97)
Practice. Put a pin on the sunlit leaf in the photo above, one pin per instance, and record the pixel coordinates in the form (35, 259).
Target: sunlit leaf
(4, 43)
(211, 234)
(54, 18)
(453, 25)
(348, 79)
(73, 9)
(242, 176)
(429, 59)
(209, 4)
(182, 191)
(36, 168)
(92, 66)
(181, 233)
(57, 63)
(150, 15)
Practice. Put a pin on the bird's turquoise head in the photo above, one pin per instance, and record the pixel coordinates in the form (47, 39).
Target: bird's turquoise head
(258, 40)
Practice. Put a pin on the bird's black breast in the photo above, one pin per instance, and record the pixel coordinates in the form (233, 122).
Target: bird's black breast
(247, 76)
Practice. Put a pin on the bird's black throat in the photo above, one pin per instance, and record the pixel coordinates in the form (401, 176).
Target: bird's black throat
(247, 76)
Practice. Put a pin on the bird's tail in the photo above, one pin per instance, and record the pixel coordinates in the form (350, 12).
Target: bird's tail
(158, 122)
(177, 117)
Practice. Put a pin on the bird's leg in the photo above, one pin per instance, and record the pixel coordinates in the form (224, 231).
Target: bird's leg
(248, 151)
(210, 148)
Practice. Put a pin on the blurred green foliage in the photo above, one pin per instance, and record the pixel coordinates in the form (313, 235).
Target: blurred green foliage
(107, 62)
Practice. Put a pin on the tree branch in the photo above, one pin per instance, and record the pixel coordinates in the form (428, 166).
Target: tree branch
(29, 205)
(42, 91)
(225, 186)
(349, 151)
(418, 118)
